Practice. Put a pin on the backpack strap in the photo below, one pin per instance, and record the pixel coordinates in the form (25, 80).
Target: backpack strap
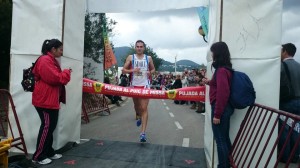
(33, 64)
(288, 74)
(228, 68)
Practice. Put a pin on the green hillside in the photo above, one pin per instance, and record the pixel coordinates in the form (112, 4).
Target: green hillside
(122, 52)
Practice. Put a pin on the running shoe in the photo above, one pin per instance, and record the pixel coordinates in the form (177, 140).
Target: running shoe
(143, 137)
(138, 122)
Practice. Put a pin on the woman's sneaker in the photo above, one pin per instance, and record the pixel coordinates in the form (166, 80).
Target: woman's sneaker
(43, 162)
(56, 156)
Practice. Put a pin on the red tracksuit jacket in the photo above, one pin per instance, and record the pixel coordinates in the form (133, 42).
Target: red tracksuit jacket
(49, 89)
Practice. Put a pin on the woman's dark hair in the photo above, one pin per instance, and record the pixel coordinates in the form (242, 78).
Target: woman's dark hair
(221, 55)
(49, 44)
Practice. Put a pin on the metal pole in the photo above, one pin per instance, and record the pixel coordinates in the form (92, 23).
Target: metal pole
(221, 21)
(220, 39)
(175, 63)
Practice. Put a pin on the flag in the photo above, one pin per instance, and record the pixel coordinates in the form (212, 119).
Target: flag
(109, 56)
(203, 15)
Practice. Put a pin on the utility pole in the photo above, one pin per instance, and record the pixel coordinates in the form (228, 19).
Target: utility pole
(175, 63)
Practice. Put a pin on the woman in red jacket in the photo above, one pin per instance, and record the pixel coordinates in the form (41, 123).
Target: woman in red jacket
(48, 92)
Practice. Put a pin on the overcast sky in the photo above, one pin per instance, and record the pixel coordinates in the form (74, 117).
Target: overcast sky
(175, 32)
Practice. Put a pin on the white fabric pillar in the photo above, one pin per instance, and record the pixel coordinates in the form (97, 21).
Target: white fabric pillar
(252, 30)
(33, 22)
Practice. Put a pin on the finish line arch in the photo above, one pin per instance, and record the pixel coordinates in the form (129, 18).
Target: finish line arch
(247, 27)
(63, 20)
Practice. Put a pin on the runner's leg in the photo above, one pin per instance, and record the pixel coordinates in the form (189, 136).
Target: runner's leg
(136, 107)
(144, 113)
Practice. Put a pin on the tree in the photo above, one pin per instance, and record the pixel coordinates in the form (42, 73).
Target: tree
(202, 66)
(93, 41)
(5, 34)
(148, 51)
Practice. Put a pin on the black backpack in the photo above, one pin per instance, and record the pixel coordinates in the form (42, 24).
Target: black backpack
(28, 78)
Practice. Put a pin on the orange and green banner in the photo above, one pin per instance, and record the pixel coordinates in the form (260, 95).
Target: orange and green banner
(109, 56)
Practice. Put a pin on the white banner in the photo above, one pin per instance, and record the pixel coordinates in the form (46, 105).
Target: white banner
(33, 22)
(119, 6)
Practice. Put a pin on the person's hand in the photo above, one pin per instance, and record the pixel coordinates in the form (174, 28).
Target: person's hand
(205, 81)
(136, 70)
(216, 121)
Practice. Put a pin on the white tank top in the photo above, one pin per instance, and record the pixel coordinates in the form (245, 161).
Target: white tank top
(140, 78)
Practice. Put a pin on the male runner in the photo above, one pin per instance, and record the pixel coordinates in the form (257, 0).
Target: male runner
(140, 66)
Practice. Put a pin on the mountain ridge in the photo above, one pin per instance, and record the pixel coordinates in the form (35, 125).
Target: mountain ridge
(122, 52)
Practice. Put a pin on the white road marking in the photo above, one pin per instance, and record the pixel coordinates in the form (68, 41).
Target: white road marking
(162, 100)
(167, 108)
(186, 142)
(165, 103)
(84, 139)
(171, 114)
(178, 125)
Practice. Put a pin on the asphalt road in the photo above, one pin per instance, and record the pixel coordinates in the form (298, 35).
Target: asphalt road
(168, 124)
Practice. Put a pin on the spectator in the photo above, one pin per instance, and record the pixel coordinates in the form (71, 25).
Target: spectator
(192, 82)
(219, 93)
(184, 80)
(185, 83)
(201, 105)
(112, 98)
(177, 84)
(48, 92)
(124, 80)
(290, 102)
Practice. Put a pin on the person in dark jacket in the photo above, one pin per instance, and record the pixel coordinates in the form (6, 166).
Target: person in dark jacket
(177, 84)
(49, 91)
(219, 92)
(124, 80)
(289, 78)
(114, 99)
